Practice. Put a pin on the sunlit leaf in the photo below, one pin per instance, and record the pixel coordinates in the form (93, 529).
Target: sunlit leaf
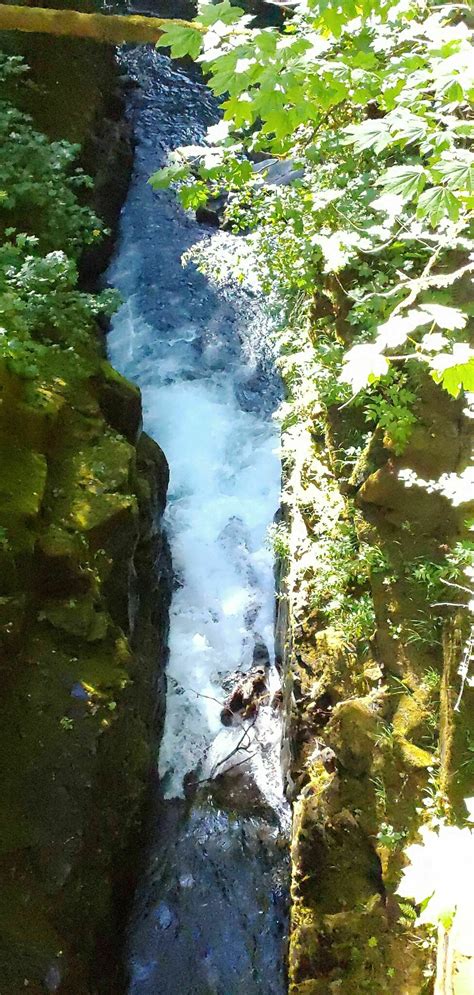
(163, 178)
(395, 331)
(362, 365)
(438, 203)
(458, 174)
(210, 13)
(406, 181)
(369, 135)
(455, 371)
(445, 317)
(181, 40)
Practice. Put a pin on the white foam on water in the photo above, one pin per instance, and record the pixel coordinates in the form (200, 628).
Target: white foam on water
(224, 488)
(193, 349)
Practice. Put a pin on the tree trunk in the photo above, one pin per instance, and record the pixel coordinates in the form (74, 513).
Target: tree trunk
(113, 29)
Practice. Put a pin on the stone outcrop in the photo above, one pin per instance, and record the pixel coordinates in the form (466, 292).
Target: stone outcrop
(84, 578)
(365, 677)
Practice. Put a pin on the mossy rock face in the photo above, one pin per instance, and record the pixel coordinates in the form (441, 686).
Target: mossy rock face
(80, 499)
(120, 402)
(12, 621)
(352, 734)
(325, 663)
(60, 563)
(78, 617)
(30, 413)
(77, 722)
(8, 571)
(22, 487)
(362, 714)
(79, 519)
(384, 490)
(109, 520)
(411, 716)
(153, 468)
(414, 756)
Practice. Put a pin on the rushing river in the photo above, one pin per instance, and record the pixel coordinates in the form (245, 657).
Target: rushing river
(211, 912)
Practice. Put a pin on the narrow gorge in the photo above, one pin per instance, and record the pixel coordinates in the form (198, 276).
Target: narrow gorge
(236, 509)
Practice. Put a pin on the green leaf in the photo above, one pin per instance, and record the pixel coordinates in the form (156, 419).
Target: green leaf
(369, 135)
(210, 13)
(194, 196)
(240, 112)
(163, 178)
(182, 41)
(458, 174)
(446, 317)
(436, 204)
(281, 123)
(407, 181)
(266, 41)
(455, 371)
(227, 81)
(465, 128)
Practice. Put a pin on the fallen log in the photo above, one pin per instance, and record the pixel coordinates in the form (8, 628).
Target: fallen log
(111, 29)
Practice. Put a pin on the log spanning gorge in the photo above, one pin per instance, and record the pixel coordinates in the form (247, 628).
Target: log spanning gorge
(211, 909)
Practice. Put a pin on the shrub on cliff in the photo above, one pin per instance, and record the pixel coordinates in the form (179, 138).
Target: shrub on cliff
(44, 228)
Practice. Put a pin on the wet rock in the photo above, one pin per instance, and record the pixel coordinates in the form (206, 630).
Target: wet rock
(261, 656)
(277, 699)
(246, 697)
(275, 172)
(212, 212)
(163, 915)
(236, 791)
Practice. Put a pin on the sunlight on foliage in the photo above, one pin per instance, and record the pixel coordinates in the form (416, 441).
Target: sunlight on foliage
(440, 879)
(368, 102)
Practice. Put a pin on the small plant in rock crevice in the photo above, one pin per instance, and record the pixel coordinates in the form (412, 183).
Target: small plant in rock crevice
(339, 587)
(389, 407)
(389, 837)
(278, 540)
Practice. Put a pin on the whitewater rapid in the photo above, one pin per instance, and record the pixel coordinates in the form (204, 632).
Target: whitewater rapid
(200, 355)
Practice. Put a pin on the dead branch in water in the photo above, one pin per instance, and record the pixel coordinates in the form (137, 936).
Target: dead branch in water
(232, 753)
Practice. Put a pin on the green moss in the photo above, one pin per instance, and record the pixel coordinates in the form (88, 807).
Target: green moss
(78, 617)
(78, 706)
(120, 402)
(353, 732)
(22, 486)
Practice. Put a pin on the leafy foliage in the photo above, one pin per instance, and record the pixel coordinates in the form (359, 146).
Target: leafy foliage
(45, 227)
(369, 104)
(340, 586)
